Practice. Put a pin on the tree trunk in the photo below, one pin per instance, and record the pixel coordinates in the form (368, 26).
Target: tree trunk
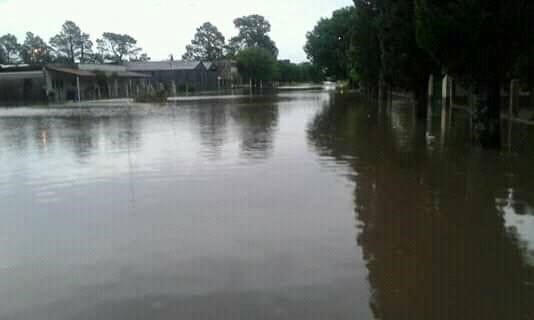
(488, 113)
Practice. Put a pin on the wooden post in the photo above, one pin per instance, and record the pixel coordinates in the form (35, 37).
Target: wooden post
(173, 88)
(429, 102)
(514, 98)
(78, 88)
(445, 100)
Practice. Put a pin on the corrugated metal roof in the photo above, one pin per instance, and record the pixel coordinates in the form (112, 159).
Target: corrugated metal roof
(102, 67)
(75, 72)
(20, 75)
(130, 74)
(163, 65)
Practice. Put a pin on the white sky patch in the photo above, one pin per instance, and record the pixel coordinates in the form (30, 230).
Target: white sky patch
(163, 27)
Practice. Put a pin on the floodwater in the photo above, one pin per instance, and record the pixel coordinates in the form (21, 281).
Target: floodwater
(296, 206)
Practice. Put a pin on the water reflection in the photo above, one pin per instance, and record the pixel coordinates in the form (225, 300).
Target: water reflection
(213, 122)
(257, 124)
(432, 224)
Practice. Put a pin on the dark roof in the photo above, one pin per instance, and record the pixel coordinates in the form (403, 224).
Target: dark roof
(130, 74)
(163, 65)
(19, 67)
(20, 75)
(75, 72)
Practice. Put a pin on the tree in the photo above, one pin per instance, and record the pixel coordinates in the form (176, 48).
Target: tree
(329, 41)
(364, 50)
(292, 72)
(119, 47)
(256, 64)
(2, 55)
(71, 44)
(143, 57)
(34, 50)
(86, 48)
(10, 48)
(207, 45)
(403, 64)
(478, 41)
(253, 33)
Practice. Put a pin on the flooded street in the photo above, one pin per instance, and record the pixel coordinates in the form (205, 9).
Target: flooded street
(296, 206)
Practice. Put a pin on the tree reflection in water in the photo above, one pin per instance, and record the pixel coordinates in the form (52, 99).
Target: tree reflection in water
(429, 221)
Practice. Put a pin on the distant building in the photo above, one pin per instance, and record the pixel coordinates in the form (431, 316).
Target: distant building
(21, 84)
(54, 83)
(181, 76)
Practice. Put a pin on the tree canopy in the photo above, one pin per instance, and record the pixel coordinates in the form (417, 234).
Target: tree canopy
(207, 45)
(71, 44)
(34, 50)
(253, 33)
(327, 44)
(118, 47)
(256, 64)
(10, 48)
(480, 42)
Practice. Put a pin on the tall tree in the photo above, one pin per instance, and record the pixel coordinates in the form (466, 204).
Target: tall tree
(86, 48)
(364, 51)
(404, 64)
(2, 55)
(207, 45)
(34, 50)
(327, 45)
(480, 42)
(10, 47)
(253, 33)
(143, 57)
(119, 47)
(71, 44)
(256, 64)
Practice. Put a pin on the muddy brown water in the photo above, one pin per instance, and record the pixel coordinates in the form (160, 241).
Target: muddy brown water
(294, 206)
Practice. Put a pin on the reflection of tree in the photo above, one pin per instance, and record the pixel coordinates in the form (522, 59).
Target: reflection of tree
(435, 244)
(85, 131)
(256, 124)
(213, 120)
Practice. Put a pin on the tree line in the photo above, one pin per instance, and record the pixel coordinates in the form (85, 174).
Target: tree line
(71, 45)
(254, 51)
(379, 45)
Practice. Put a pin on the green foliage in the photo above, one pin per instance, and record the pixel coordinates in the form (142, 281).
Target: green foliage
(2, 55)
(253, 33)
(256, 64)
(9, 49)
(327, 45)
(304, 72)
(364, 50)
(71, 44)
(34, 50)
(118, 47)
(475, 39)
(207, 45)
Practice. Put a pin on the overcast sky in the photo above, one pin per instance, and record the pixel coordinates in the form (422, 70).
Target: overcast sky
(163, 27)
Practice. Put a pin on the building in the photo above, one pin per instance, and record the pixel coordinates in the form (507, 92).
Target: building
(92, 81)
(21, 84)
(178, 76)
(55, 83)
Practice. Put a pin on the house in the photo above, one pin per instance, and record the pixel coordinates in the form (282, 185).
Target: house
(56, 83)
(178, 76)
(60, 83)
(21, 84)
(92, 81)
